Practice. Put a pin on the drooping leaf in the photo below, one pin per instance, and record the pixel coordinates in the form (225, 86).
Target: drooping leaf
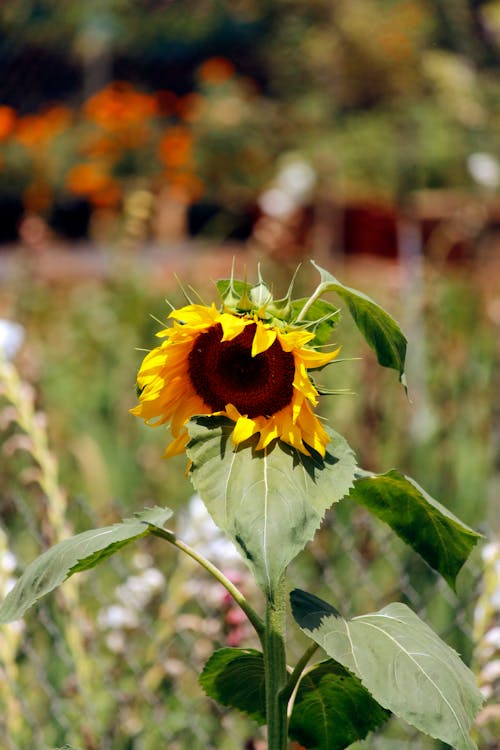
(77, 553)
(406, 667)
(380, 330)
(438, 536)
(235, 677)
(322, 315)
(270, 503)
(332, 709)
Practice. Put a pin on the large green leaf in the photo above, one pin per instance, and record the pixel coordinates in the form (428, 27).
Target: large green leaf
(438, 536)
(380, 330)
(332, 709)
(235, 677)
(271, 502)
(80, 552)
(402, 662)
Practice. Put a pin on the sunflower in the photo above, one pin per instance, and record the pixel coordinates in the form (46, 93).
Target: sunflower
(238, 365)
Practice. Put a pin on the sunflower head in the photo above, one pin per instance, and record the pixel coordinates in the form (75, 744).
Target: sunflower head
(246, 359)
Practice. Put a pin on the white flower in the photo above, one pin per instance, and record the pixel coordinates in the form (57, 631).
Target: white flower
(490, 552)
(491, 671)
(484, 169)
(492, 637)
(153, 579)
(142, 560)
(115, 616)
(8, 562)
(115, 641)
(11, 338)
(197, 529)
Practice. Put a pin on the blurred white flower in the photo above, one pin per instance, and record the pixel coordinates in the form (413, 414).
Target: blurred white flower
(142, 560)
(197, 529)
(277, 203)
(291, 188)
(484, 169)
(11, 338)
(153, 579)
(492, 637)
(138, 590)
(297, 178)
(116, 642)
(491, 671)
(495, 599)
(490, 552)
(8, 561)
(116, 616)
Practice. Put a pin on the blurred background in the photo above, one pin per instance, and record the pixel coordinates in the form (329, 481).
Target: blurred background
(140, 141)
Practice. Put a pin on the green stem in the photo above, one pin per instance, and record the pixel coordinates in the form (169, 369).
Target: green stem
(316, 295)
(275, 669)
(298, 669)
(218, 575)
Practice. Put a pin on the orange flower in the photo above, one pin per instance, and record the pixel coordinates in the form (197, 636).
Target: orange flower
(7, 122)
(216, 70)
(175, 147)
(184, 186)
(94, 182)
(35, 131)
(118, 106)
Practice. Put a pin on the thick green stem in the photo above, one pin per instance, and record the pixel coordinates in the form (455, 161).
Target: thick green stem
(219, 576)
(275, 669)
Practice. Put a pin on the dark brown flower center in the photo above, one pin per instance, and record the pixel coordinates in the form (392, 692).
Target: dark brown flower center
(224, 372)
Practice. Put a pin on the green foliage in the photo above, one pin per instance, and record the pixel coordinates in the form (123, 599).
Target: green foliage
(322, 318)
(270, 503)
(380, 331)
(437, 535)
(332, 709)
(403, 664)
(235, 677)
(81, 552)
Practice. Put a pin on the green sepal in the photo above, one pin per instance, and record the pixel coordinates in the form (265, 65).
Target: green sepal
(235, 294)
(235, 677)
(321, 318)
(332, 709)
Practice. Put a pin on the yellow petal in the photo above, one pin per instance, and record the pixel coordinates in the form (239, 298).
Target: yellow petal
(243, 429)
(178, 445)
(294, 339)
(232, 326)
(311, 358)
(198, 316)
(263, 339)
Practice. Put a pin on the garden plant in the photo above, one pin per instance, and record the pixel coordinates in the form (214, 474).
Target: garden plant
(237, 383)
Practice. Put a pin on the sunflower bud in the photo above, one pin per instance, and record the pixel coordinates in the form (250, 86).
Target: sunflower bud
(261, 295)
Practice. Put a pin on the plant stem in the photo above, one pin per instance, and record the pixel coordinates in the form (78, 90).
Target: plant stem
(217, 574)
(312, 299)
(299, 668)
(275, 669)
